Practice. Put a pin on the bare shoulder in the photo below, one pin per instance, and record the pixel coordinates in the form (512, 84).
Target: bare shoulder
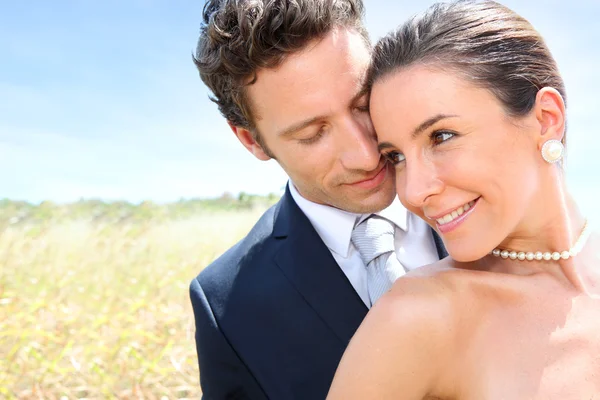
(404, 345)
(434, 285)
(428, 299)
(425, 299)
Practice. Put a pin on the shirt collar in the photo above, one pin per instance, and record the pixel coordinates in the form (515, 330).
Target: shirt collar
(396, 213)
(335, 226)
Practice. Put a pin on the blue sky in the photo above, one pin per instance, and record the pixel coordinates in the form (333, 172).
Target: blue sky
(100, 99)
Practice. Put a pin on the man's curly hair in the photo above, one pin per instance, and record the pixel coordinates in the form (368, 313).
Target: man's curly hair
(239, 37)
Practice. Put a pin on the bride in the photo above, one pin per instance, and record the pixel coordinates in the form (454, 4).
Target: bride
(469, 106)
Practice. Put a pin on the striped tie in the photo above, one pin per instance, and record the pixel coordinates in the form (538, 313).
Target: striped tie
(374, 240)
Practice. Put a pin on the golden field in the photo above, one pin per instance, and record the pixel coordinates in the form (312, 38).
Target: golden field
(94, 303)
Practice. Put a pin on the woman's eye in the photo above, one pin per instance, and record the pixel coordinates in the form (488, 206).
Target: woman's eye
(439, 137)
(394, 157)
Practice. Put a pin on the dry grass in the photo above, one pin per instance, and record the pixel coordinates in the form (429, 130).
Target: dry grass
(92, 310)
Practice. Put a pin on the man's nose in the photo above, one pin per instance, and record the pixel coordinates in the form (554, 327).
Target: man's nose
(359, 146)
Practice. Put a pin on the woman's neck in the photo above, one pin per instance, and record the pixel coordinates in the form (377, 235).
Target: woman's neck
(553, 223)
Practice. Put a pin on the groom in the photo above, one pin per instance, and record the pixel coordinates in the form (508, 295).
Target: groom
(276, 311)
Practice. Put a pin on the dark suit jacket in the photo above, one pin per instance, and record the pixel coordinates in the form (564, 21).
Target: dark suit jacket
(275, 313)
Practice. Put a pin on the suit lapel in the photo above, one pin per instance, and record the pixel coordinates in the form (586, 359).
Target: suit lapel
(310, 267)
(439, 245)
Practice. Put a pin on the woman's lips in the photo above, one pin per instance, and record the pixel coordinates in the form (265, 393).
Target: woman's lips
(452, 221)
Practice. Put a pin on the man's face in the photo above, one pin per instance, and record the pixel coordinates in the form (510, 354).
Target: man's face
(312, 116)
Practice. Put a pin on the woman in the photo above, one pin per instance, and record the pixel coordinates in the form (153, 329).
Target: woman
(468, 104)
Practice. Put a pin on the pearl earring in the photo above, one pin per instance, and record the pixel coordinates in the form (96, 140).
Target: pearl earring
(553, 150)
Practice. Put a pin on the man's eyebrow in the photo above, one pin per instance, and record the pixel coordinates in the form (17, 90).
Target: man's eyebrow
(362, 92)
(290, 130)
(429, 122)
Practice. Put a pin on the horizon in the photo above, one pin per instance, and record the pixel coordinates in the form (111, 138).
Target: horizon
(100, 100)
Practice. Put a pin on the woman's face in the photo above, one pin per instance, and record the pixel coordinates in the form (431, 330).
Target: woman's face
(462, 164)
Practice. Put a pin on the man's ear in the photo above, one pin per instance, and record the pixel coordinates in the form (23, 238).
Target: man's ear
(550, 114)
(247, 139)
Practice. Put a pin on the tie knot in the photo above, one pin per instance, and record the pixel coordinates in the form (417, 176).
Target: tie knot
(373, 237)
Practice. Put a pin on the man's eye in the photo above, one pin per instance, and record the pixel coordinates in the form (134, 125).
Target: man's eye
(313, 138)
(394, 157)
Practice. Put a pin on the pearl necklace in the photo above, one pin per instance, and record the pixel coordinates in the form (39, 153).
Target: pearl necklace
(530, 256)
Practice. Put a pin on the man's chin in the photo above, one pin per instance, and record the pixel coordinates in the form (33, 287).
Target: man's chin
(368, 204)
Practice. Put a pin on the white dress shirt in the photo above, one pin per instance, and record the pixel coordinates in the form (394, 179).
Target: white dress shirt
(414, 243)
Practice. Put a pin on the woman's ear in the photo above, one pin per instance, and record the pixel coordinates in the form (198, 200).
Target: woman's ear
(249, 142)
(550, 114)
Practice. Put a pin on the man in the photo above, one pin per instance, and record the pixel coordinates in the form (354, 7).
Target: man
(275, 312)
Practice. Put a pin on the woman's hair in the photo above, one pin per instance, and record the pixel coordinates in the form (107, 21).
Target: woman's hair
(483, 41)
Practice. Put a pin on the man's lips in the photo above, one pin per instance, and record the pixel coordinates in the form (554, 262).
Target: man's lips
(373, 181)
